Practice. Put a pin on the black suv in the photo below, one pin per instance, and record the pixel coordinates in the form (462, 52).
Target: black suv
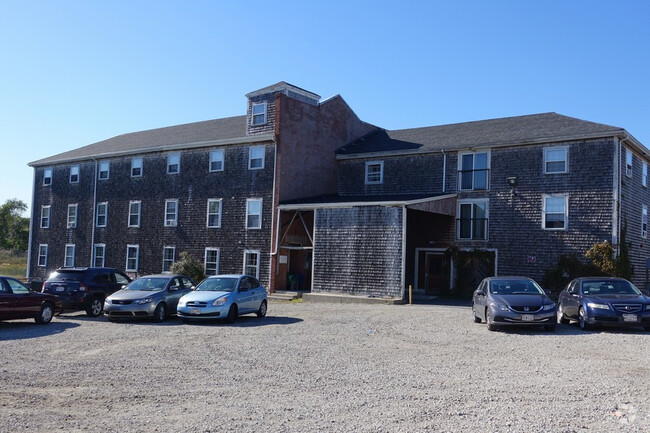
(84, 288)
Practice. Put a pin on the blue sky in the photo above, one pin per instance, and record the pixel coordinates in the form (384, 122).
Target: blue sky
(77, 72)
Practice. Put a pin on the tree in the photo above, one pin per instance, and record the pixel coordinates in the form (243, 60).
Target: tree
(188, 265)
(14, 228)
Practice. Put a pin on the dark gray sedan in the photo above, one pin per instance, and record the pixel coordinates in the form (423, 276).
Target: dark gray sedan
(507, 301)
(154, 296)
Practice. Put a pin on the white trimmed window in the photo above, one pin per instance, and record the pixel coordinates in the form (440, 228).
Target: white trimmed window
(104, 170)
(556, 160)
(472, 221)
(47, 177)
(629, 161)
(473, 171)
(254, 213)
(644, 221)
(169, 256)
(132, 256)
(252, 263)
(256, 158)
(45, 217)
(214, 213)
(174, 163)
(211, 261)
(258, 114)
(555, 213)
(72, 216)
(99, 252)
(216, 161)
(171, 213)
(136, 167)
(69, 256)
(134, 213)
(42, 255)
(74, 174)
(644, 179)
(102, 214)
(374, 172)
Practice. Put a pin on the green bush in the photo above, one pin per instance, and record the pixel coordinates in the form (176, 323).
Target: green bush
(190, 266)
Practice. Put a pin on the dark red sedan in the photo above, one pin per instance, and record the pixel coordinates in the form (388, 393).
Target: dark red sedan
(17, 301)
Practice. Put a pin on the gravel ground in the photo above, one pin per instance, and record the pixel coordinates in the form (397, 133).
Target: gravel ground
(321, 367)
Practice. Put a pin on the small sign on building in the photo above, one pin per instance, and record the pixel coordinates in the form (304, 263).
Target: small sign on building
(531, 259)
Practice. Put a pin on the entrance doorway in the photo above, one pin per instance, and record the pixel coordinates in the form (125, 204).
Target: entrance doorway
(433, 272)
(299, 269)
(473, 266)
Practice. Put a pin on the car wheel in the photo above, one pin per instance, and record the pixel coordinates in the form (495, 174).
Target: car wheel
(262, 311)
(582, 320)
(232, 314)
(488, 319)
(549, 328)
(45, 315)
(476, 318)
(160, 313)
(96, 307)
(561, 318)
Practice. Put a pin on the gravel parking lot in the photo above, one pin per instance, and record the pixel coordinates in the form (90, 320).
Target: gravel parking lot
(321, 367)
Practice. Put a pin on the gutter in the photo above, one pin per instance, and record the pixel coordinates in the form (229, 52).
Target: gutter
(31, 228)
(92, 229)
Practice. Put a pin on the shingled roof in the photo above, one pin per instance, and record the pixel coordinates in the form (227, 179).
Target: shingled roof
(545, 127)
(188, 135)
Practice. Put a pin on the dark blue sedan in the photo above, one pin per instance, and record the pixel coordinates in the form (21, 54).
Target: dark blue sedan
(603, 301)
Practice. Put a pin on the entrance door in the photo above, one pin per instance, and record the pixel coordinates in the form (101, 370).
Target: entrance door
(436, 273)
(473, 266)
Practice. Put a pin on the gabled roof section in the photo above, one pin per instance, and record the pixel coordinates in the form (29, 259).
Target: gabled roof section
(287, 89)
(219, 131)
(535, 128)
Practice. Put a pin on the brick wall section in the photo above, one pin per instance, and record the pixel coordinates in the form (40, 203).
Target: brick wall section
(358, 251)
(192, 188)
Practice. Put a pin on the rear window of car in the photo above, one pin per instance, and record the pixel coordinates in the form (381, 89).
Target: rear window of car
(67, 276)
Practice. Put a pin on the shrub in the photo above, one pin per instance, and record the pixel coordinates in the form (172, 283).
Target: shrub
(190, 266)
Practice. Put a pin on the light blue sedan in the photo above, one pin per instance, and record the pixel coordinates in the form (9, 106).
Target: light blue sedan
(223, 297)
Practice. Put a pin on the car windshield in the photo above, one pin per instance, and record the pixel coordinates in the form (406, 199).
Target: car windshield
(150, 284)
(609, 287)
(218, 284)
(515, 287)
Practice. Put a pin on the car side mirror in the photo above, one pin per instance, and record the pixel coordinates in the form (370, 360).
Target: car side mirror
(480, 292)
(193, 288)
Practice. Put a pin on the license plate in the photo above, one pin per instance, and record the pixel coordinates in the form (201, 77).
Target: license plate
(629, 318)
(60, 289)
(195, 311)
(527, 318)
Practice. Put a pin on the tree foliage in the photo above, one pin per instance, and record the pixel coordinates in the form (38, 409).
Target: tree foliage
(14, 228)
(190, 266)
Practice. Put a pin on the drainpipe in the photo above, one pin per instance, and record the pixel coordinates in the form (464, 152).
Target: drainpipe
(444, 169)
(31, 228)
(92, 223)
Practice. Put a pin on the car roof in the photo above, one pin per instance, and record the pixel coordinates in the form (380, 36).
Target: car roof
(169, 276)
(508, 278)
(601, 279)
(229, 276)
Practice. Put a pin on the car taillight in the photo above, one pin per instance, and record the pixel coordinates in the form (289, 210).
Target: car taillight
(83, 287)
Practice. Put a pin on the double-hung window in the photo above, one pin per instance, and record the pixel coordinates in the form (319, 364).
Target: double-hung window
(374, 172)
(72, 216)
(629, 161)
(45, 217)
(256, 158)
(132, 256)
(102, 214)
(555, 214)
(42, 255)
(258, 114)
(69, 256)
(472, 222)
(74, 174)
(252, 263)
(171, 213)
(556, 160)
(169, 255)
(473, 172)
(214, 213)
(216, 161)
(134, 213)
(104, 170)
(254, 213)
(47, 177)
(136, 167)
(211, 261)
(99, 252)
(644, 221)
(174, 163)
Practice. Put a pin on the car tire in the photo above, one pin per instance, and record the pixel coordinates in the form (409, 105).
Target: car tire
(232, 314)
(488, 319)
(160, 313)
(95, 307)
(45, 314)
(476, 318)
(262, 310)
(561, 318)
(582, 320)
(549, 328)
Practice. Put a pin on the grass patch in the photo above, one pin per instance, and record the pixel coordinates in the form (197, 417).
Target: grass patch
(13, 264)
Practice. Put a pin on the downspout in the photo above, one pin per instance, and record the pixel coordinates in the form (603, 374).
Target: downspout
(620, 187)
(31, 227)
(92, 223)
(444, 169)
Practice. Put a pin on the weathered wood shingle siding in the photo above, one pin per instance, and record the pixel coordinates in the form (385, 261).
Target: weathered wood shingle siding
(358, 251)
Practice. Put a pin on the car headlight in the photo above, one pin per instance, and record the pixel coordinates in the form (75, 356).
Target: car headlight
(143, 301)
(500, 307)
(549, 307)
(182, 302)
(220, 301)
(598, 306)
